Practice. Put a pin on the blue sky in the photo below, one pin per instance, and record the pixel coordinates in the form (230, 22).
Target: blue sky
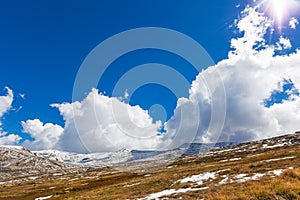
(43, 44)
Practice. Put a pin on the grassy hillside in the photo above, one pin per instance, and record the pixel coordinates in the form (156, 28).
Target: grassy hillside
(268, 169)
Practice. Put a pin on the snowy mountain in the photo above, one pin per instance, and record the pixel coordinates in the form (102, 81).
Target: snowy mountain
(126, 155)
(92, 159)
(18, 162)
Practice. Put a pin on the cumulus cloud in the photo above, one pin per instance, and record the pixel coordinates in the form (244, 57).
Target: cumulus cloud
(45, 135)
(283, 43)
(9, 139)
(5, 105)
(254, 26)
(293, 23)
(6, 101)
(100, 123)
(250, 75)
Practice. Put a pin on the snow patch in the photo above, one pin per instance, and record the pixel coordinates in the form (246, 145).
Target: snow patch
(170, 192)
(266, 146)
(257, 176)
(130, 185)
(277, 159)
(234, 159)
(199, 178)
(276, 172)
(43, 198)
(12, 181)
(224, 181)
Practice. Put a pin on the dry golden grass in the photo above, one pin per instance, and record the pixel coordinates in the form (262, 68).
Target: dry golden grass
(286, 186)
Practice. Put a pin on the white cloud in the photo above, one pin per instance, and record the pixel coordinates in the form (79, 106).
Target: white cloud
(293, 23)
(5, 105)
(6, 101)
(99, 123)
(10, 139)
(126, 94)
(45, 135)
(249, 75)
(283, 43)
(254, 26)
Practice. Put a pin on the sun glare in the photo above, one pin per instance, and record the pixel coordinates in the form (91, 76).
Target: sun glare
(280, 10)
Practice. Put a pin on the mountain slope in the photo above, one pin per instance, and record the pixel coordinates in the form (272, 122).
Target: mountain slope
(266, 169)
(19, 164)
